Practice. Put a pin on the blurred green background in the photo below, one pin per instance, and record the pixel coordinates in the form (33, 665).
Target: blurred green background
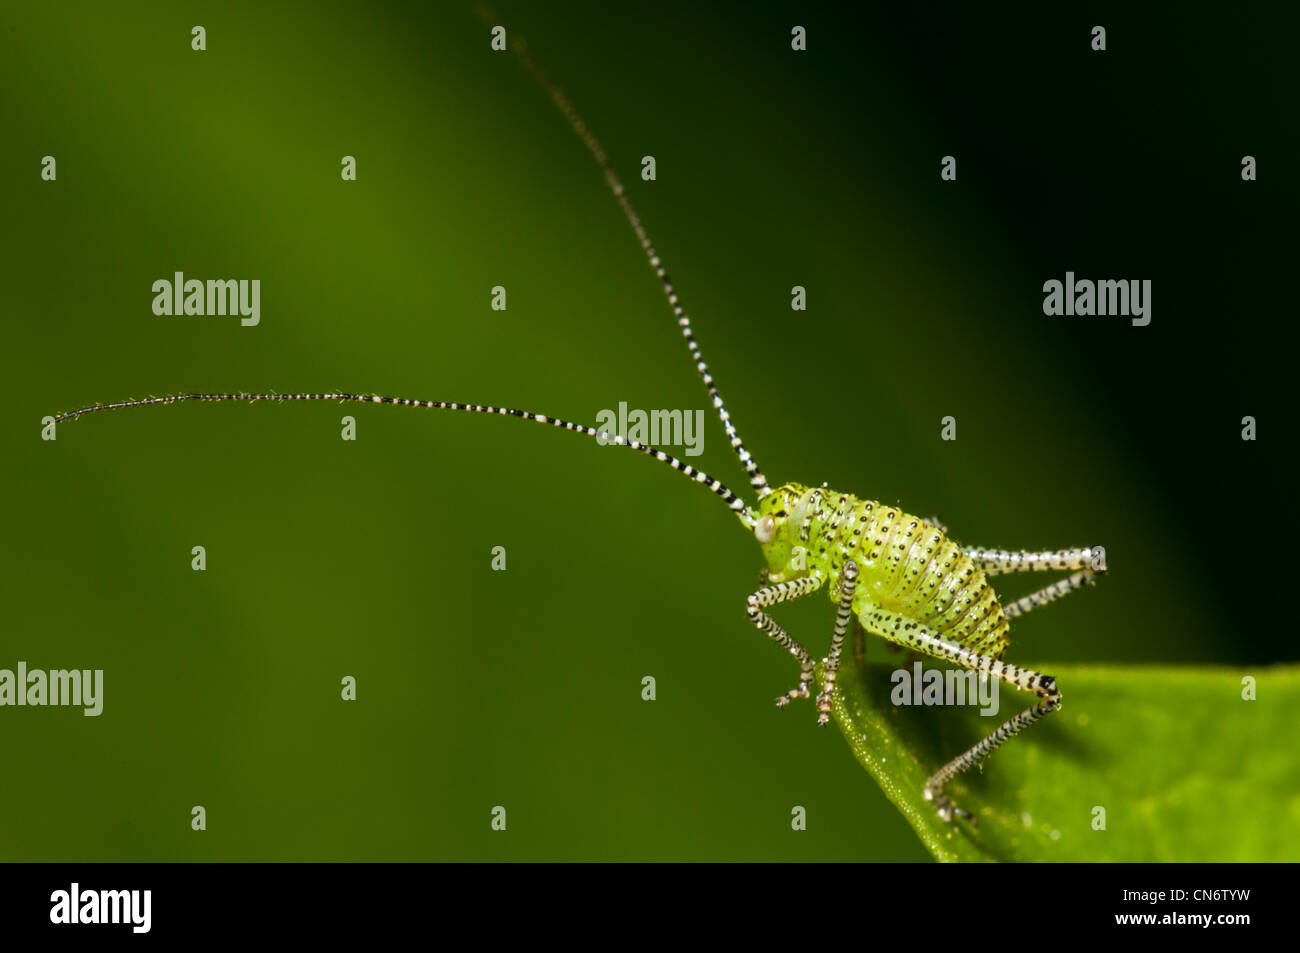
(372, 558)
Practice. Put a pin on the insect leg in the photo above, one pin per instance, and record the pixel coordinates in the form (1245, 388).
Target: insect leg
(770, 596)
(937, 524)
(848, 584)
(1056, 590)
(891, 625)
(997, 561)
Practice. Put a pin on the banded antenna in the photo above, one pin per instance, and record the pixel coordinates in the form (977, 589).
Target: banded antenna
(520, 47)
(756, 478)
(699, 476)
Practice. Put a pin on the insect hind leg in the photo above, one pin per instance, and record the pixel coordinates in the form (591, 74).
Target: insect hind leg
(1048, 594)
(1087, 564)
(898, 628)
(933, 792)
(995, 562)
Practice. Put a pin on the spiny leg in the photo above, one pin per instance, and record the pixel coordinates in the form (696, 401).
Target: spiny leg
(1088, 563)
(997, 561)
(848, 584)
(1051, 700)
(770, 596)
(892, 626)
(1056, 590)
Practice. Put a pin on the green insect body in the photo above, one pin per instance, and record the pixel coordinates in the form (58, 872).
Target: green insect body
(900, 577)
(907, 565)
(890, 573)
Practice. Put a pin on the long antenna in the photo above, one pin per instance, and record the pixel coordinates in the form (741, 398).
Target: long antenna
(699, 476)
(520, 47)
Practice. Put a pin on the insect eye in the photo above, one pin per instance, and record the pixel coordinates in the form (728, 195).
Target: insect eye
(765, 529)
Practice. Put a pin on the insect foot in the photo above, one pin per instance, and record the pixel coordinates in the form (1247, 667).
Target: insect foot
(824, 709)
(800, 692)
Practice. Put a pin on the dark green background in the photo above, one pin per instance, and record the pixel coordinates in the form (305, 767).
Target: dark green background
(371, 558)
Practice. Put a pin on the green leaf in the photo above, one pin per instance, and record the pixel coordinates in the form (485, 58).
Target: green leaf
(1184, 767)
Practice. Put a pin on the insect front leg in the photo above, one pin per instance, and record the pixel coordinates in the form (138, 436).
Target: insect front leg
(891, 625)
(770, 596)
(843, 616)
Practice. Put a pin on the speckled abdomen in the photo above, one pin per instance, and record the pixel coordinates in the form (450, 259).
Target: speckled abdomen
(910, 567)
